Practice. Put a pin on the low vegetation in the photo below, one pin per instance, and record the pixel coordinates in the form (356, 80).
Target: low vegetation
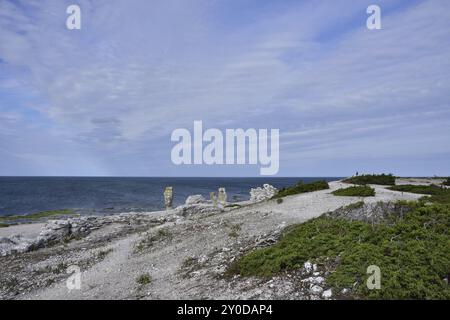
(151, 239)
(189, 266)
(234, 230)
(412, 252)
(143, 279)
(38, 215)
(359, 191)
(100, 255)
(233, 206)
(381, 179)
(4, 225)
(437, 194)
(446, 182)
(301, 187)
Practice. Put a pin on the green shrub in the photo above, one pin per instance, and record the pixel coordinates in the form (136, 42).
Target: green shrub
(412, 253)
(438, 194)
(359, 191)
(301, 187)
(39, 215)
(143, 279)
(382, 179)
(446, 182)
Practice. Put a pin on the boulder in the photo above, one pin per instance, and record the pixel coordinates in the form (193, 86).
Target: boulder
(327, 294)
(264, 193)
(54, 230)
(308, 266)
(14, 244)
(195, 199)
(316, 290)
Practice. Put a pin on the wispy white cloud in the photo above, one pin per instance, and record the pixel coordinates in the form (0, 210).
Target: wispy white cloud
(112, 92)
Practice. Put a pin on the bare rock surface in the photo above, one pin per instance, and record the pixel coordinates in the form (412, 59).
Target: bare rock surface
(371, 212)
(185, 251)
(264, 193)
(195, 199)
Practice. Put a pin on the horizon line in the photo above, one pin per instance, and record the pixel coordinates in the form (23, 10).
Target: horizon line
(262, 177)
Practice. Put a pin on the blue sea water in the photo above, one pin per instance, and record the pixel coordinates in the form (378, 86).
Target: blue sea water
(90, 195)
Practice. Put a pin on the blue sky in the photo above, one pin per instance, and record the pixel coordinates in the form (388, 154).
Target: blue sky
(104, 100)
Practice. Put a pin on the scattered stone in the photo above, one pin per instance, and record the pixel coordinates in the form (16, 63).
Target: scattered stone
(308, 267)
(316, 290)
(327, 294)
(314, 280)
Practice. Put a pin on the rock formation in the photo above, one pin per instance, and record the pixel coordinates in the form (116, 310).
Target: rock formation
(222, 197)
(168, 197)
(264, 193)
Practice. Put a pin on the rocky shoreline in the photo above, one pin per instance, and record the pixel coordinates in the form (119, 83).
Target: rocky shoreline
(184, 251)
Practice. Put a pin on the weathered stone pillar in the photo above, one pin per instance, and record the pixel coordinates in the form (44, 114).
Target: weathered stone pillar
(222, 197)
(168, 197)
(213, 197)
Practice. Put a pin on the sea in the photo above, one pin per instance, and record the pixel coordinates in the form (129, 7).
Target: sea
(107, 195)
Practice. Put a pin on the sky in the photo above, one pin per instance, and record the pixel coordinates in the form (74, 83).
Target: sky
(104, 100)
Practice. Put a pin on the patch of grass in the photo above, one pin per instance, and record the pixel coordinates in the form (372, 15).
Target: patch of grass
(143, 279)
(189, 262)
(38, 215)
(358, 191)
(234, 230)
(353, 206)
(9, 283)
(188, 266)
(150, 240)
(412, 254)
(60, 268)
(301, 187)
(381, 179)
(233, 206)
(438, 194)
(4, 225)
(102, 253)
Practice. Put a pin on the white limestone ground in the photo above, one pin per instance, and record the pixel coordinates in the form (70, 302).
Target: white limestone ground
(29, 230)
(185, 257)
